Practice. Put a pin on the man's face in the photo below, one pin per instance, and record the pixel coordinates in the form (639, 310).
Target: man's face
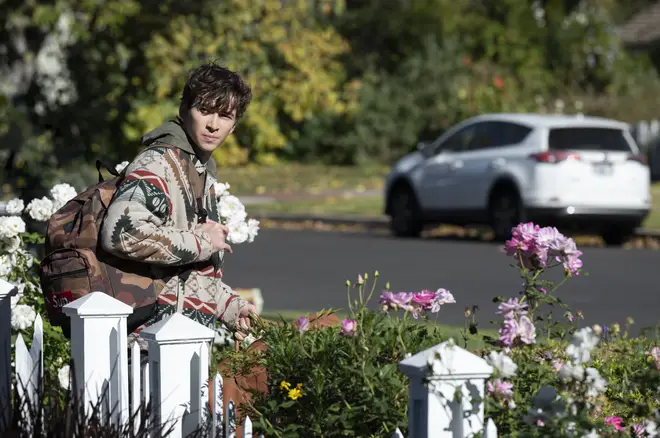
(208, 129)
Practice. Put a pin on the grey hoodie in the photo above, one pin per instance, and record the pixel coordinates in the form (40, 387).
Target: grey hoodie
(173, 133)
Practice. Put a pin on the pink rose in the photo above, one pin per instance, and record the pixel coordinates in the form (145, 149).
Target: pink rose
(348, 327)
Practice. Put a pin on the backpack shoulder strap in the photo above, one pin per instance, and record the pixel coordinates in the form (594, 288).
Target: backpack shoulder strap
(111, 169)
(197, 181)
(102, 165)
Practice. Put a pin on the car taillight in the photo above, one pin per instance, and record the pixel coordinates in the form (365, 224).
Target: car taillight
(639, 158)
(554, 156)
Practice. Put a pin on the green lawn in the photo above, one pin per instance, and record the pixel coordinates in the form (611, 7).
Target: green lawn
(301, 178)
(355, 206)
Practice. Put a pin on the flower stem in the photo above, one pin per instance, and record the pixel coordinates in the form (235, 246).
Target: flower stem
(348, 293)
(373, 288)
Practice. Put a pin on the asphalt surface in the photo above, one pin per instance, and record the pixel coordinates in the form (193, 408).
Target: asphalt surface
(307, 271)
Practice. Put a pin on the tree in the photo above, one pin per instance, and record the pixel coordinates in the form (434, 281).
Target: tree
(123, 65)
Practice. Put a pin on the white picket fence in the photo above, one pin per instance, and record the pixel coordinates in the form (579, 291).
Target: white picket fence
(175, 379)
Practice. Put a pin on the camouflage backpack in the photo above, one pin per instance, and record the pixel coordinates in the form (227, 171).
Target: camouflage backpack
(75, 264)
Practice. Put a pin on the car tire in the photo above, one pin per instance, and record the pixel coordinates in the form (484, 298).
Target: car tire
(405, 213)
(505, 211)
(617, 236)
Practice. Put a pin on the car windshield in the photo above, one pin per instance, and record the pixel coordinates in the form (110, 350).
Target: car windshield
(588, 139)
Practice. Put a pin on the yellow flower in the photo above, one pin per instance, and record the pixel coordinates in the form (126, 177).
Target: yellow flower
(296, 392)
(285, 385)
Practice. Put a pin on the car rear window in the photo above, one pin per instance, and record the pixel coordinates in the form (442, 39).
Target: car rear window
(588, 139)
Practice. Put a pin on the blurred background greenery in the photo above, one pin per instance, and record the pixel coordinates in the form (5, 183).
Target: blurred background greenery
(335, 82)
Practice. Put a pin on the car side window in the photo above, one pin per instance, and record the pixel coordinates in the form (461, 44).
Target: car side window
(459, 141)
(497, 134)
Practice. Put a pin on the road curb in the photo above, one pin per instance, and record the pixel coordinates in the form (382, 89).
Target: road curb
(379, 223)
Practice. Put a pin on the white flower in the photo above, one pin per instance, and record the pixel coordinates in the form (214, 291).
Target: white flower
(592, 434)
(15, 206)
(221, 189)
(9, 244)
(64, 376)
(223, 336)
(28, 258)
(586, 337)
(13, 301)
(595, 383)
(570, 372)
(19, 258)
(20, 286)
(62, 193)
(22, 317)
(41, 209)
(5, 265)
(651, 428)
(502, 363)
(231, 209)
(584, 341)
(121, 166)
(16, 298)
(253, 229)
(238, 232)
(571, 427)
(11, 226)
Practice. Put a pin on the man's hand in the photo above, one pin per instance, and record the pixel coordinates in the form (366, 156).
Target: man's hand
(244, 323)
(218, 234)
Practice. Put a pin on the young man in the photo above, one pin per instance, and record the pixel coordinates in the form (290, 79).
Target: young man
(156, 217)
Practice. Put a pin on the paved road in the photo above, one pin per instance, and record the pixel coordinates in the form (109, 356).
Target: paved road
(306, 270)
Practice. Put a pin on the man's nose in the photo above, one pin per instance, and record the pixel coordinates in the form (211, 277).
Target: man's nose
(212, 123)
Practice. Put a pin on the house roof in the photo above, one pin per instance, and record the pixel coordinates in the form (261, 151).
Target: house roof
(643, 28)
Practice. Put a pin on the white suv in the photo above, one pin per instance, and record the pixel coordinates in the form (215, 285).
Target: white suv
(583, 173)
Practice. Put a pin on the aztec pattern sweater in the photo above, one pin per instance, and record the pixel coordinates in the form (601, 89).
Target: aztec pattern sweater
(153, 218)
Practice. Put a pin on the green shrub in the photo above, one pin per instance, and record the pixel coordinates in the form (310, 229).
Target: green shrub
(350, 384)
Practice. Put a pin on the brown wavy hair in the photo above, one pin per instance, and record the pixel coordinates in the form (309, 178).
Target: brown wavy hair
(213, 88)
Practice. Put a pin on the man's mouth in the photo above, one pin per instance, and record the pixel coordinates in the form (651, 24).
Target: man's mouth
(209, 137)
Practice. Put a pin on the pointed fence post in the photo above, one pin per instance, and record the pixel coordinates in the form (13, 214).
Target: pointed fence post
(179, 366)
(217, 407)
(397, 433)
(29, 375)
(491, 429)
(99, 349)
(449, 403)
(7, 290)
(247, 428)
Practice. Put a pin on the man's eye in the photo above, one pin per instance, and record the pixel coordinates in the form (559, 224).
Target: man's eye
(204, 110)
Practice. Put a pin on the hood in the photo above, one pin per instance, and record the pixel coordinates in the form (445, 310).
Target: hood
(172, 133)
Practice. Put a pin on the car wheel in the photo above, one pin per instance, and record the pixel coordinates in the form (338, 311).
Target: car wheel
(405, 213)
(617, 236)
(505, 212)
